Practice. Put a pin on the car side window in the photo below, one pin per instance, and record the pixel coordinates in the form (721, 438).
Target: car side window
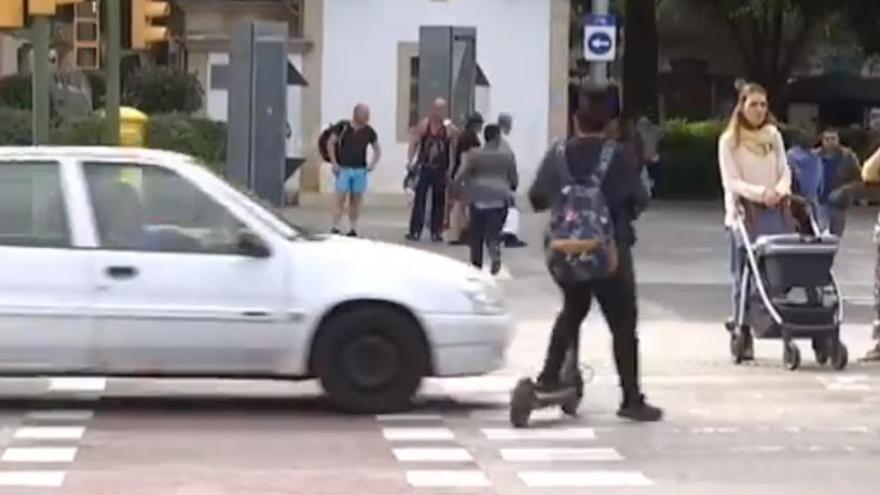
(32, 207)
(148, 208)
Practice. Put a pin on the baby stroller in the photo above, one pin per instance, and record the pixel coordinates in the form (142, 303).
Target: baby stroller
(788, 290)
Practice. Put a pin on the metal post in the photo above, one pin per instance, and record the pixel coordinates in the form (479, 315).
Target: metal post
(112, 62)
(599, 70)
(40, 30)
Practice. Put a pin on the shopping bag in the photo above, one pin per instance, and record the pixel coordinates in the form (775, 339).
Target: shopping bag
(511, 225)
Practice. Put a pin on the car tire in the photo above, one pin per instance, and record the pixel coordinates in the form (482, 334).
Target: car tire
(371, 360)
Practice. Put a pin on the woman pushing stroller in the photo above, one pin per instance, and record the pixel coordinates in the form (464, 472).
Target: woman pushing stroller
(754, 167)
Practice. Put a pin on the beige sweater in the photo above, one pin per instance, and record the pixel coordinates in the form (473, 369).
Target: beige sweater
(755, 166)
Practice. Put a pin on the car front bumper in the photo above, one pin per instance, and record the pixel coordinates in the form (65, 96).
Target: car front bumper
(468, 344)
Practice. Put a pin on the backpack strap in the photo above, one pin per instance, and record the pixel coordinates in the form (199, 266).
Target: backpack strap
(561, 162)
(605, 158)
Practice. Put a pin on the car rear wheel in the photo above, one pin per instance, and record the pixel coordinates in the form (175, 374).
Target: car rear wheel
(370, 359)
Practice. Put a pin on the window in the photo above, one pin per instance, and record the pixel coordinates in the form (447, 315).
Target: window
(148, 208)
(32, 209)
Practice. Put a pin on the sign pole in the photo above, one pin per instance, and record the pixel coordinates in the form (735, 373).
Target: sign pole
(41, 34)
(598, 68)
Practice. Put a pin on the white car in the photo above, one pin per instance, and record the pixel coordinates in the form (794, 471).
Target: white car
(135, 262)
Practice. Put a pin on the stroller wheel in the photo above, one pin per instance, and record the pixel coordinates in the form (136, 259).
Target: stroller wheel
(791, 356)
(840, 358)
(823, 349)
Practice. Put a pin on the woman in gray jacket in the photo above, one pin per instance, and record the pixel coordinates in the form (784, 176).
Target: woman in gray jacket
(488, 177)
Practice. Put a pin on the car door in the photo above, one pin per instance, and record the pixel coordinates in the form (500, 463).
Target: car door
(45, 286)
(176, 295)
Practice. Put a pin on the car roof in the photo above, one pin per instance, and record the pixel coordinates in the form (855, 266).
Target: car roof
(169, 158)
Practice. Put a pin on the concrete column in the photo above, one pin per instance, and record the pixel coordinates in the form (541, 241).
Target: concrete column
(313, 31)
(560, 25)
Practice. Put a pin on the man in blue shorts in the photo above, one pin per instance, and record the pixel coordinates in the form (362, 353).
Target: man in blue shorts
(347, 147)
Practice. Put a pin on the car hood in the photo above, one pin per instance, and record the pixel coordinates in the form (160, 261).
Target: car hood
(386, 258)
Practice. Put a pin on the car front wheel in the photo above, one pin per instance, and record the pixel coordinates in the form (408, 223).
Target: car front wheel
(370, 359)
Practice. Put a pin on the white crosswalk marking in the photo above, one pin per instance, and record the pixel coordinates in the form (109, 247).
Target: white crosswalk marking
(408, 417)
(447, 479)
(540, 434)
(432, 455)
(417, 434)
(61, 415)
(39, 454)
(583, 479)
(560, 454)
(87, 384)
(37, 479)
(51, 432)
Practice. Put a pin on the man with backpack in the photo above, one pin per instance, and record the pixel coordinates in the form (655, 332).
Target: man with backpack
(593, 189)
(345, 145)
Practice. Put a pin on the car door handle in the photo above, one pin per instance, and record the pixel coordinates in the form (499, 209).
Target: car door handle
(121, 272)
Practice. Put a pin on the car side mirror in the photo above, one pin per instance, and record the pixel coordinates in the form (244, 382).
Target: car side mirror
(249, 244)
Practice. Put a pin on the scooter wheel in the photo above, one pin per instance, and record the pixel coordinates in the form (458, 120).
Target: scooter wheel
(521, 400)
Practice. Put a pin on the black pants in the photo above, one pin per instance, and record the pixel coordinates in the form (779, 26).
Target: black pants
(617, 298)
(484, 229)
(433, 180)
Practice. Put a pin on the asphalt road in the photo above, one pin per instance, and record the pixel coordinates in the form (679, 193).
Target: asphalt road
(755, 429)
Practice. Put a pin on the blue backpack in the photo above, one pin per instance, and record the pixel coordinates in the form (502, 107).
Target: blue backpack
(579, 244)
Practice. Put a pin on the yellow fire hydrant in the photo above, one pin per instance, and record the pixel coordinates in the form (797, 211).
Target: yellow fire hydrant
(132, 126)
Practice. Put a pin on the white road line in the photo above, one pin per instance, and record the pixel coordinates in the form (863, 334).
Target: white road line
(576, 479)
(447, 479)
(61, 415)
(409, 417)
(39, 454)
(762, 449)
(421, 434)
(50, 432)
(432, 455)
(78, 384)
(539, 434)
(560, 454)
(52, 479)
(713, 430)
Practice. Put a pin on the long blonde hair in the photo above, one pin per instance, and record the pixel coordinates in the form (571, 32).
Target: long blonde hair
(738, 119)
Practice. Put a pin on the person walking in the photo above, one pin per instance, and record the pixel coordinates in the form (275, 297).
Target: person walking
(468, 140)
(510, 231)
(871, 178)
(590, 155)
(754, 168)
(431, 150)
(347, 147)
(807, 172)
(842, 175)
(488, 177)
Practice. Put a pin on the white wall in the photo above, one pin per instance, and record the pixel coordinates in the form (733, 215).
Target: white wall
(360, 65)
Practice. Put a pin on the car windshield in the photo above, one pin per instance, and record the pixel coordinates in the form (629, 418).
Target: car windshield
(263, 209)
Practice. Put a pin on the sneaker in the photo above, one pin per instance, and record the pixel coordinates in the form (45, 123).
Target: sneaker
(436, 238)
(352, 233)
(412, 237)
(873, 356)
(639, 410)
(335, 231)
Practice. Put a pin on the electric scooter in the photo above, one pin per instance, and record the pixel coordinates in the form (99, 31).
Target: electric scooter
(525, 397)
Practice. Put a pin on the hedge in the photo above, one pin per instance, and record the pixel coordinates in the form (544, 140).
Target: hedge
(201, 138)
(689, 156)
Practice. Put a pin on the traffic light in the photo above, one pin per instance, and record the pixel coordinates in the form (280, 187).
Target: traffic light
(11, 14)
(47, 7)
(87, 35)
(143, 13)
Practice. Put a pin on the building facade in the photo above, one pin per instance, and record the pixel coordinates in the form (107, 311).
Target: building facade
(344, 52)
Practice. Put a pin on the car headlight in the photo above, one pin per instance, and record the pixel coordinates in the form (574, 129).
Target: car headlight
(485, 295)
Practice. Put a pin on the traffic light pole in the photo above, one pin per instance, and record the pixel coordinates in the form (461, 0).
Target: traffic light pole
(40, 31)
(112, 62)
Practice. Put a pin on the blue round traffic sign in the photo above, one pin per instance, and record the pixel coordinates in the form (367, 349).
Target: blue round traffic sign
(600, 43)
